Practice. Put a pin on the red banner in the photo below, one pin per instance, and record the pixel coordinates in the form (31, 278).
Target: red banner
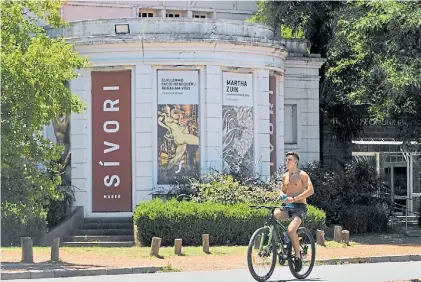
(111, 141)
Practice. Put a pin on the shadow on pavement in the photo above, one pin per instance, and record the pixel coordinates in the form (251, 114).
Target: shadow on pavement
(312, 279)
(386, 239)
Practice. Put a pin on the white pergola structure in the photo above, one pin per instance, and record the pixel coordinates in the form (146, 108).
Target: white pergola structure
(388, 152)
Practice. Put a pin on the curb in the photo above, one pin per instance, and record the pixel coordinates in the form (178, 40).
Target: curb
(36, 274)
(58, 273)
(402, 258)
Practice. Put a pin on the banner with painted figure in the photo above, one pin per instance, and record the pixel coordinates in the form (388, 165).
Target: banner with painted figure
(178, 125)
(237, 122)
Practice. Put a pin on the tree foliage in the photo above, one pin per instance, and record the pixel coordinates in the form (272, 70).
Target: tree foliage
(316, 19)
(382, 41)
(34, 71)
(312, 20)
(373, 57)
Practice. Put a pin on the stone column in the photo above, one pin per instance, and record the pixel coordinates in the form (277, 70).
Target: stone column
(213, 102)
(144, 100)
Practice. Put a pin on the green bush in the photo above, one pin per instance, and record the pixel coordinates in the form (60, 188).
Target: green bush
(17, 221)
(362, 218)
(22, 203)
(316, 219)
(327, 183)
(225, 224)
(235, 185)
(355, 184)
(58, 209)
(223, 189)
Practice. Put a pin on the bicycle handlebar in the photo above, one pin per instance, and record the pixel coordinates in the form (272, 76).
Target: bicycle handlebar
(183, 196)
(283, 205)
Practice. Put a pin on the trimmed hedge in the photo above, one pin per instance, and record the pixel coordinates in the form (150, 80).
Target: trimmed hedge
(225, 224)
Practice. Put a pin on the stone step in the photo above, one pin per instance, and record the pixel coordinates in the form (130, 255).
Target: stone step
(99, 244)
(409, 217)
(107, 225)
(108, 220)
(413, 234)
(402, 223)
(98, 232)
(120, 238)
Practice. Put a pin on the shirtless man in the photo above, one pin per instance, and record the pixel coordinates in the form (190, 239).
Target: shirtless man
(297, 186)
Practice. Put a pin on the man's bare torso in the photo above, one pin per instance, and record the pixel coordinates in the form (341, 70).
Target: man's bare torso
(293, 185)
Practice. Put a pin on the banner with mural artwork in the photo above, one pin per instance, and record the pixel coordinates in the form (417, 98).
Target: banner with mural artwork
(237, 122)
(178, 126)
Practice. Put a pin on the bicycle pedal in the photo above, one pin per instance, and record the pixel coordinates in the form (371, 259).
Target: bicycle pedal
(281, 259)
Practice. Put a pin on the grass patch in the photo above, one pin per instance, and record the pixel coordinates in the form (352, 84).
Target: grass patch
(169, 268)
(336, 245)
(130, 252)
(143, 252)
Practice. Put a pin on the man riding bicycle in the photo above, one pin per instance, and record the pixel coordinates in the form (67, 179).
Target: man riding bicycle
(296, 188)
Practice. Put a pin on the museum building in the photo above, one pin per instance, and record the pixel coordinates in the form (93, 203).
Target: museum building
(176, 88)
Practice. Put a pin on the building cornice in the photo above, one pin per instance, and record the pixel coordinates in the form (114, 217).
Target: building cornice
(180, 30)
(164, 26)
(305, 61)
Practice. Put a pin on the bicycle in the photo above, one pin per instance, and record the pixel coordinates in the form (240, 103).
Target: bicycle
(273, 239)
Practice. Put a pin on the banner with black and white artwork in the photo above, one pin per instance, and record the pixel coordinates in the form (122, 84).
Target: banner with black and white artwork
(178, 125)
(237, 122)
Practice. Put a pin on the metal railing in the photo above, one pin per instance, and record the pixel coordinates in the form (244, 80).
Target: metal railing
(405, 208)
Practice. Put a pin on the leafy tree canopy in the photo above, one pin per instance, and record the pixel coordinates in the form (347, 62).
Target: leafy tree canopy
(380, 42)
(373, 51)
(34, 69)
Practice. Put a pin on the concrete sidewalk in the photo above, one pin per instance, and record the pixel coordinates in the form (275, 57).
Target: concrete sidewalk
(73, 272)
(29, 271)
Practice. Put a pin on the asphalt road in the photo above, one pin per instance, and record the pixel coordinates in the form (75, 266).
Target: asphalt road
(374, 272)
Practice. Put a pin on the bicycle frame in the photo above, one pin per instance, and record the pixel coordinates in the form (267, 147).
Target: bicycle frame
(269, 240)
(276, 229)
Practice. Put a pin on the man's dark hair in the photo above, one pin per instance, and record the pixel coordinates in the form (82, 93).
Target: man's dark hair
(294, 154)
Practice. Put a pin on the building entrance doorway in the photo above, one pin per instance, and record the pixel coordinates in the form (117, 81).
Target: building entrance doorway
(399, 169)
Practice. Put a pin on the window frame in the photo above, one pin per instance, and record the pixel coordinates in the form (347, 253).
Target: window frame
(146, 11)
(294, 146)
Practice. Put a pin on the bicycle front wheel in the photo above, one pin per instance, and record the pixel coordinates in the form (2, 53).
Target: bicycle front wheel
(261, 254)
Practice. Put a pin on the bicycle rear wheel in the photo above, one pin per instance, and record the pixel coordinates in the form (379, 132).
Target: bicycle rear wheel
(261, 247)
(302, 268)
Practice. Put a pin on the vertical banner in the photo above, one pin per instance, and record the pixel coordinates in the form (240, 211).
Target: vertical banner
(111, 141)
(237, 122)
(178, 125)
(272, 124)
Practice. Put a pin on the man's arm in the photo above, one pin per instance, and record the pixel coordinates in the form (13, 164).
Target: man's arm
(307, 184)
(283, 190)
